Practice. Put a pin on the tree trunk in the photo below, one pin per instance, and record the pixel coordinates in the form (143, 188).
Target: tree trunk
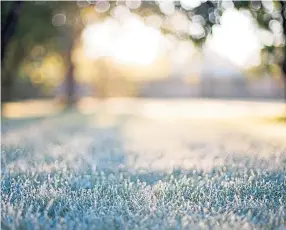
(9, 71)
(6, 88)
(68, 40)
(103, 80)
(70, 80)
(8, 26)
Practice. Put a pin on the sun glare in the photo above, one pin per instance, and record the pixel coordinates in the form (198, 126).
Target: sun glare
(236, 38)
(130, 42)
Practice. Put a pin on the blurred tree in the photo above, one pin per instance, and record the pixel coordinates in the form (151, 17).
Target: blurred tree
(24, 25)
(266, 13)
(59, 24)
(9, 19)
(70, 31)
(269, 15)
(283, 14)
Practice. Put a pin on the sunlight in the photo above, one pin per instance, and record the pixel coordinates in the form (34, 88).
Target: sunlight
(48, 70)
(97, 38)
(30, 109)
(239, 43)
(130, 42)
(137, 44)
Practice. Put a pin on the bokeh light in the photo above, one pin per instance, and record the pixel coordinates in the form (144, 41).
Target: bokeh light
(154, 21)
(167, 7)
(49, 70)
(120, 13)
(240, 43)
(133, 4)
(59, 19)
(188, 5)
(82, 3)
(102, 6)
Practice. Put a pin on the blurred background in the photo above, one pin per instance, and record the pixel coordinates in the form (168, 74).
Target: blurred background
(80, 52)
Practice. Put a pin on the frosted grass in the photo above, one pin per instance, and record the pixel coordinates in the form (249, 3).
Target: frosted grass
(67, 172)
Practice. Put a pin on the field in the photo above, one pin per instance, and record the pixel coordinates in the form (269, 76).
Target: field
(145, 165)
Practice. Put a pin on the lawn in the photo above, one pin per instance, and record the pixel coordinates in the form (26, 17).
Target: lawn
(107, 170)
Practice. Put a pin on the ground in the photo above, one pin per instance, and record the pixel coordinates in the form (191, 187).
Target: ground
(145, 165)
